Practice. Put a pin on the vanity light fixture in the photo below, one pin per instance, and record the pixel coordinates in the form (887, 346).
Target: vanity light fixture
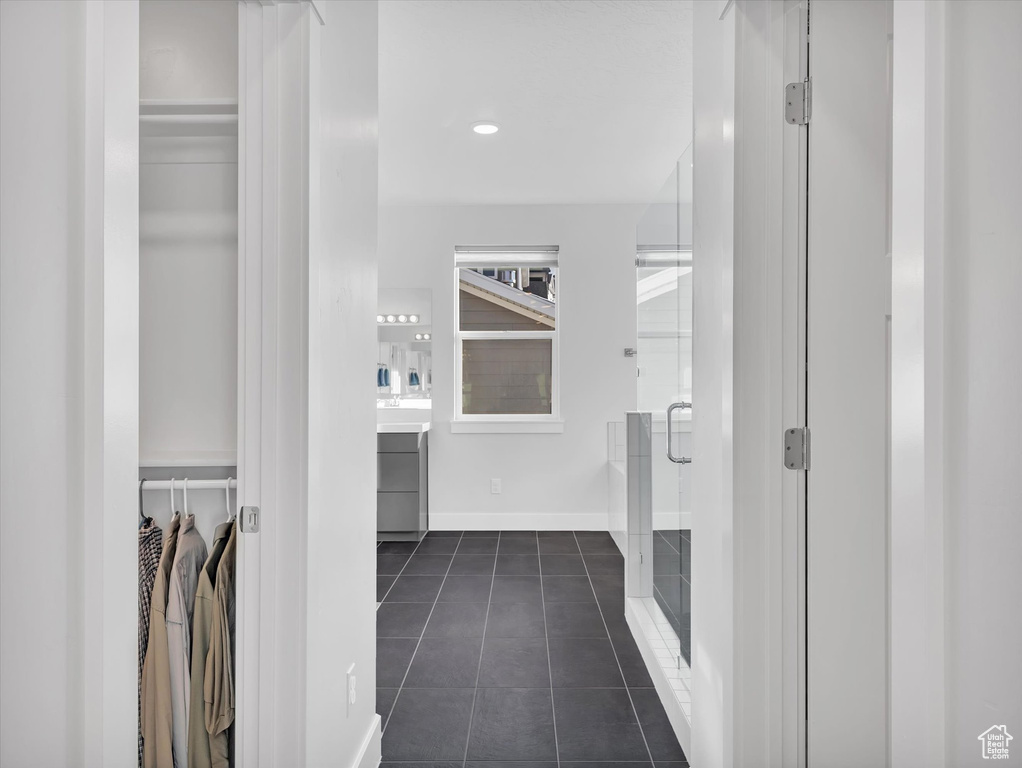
(413, 318)
(381, 319)
(485, 127)
(390, 318)
(402, 318)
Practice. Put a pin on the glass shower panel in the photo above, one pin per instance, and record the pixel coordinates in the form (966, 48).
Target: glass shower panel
(664, 315)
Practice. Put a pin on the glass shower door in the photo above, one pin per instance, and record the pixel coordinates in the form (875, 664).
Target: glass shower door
(664, 314)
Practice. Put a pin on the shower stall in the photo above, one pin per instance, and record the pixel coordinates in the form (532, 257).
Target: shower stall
(656, 444)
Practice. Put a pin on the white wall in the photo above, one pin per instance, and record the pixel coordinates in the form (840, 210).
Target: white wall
(41, 409)
(188, 49)
(983, 371)
(69, 349)
(554, 481)
(712, 369)
(956, 363)
(188, 249)
(342, 414)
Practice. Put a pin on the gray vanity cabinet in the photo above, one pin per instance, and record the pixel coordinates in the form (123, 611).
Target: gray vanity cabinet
(401, 494)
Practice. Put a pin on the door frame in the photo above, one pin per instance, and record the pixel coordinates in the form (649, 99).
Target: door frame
(748, 607)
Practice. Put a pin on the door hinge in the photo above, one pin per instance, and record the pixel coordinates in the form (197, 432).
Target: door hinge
(796, 448)
(798, 102)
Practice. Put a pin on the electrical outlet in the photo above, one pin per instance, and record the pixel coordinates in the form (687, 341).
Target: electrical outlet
(351, 688)
(495, 485)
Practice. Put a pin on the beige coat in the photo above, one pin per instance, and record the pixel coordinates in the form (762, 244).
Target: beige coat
(218, 680)
(184, 581)
(202, 619)
(157, 717)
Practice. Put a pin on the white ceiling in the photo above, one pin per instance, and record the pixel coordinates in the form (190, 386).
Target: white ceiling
(593, 99)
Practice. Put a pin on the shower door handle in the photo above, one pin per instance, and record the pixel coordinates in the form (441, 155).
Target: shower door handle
(670, 432)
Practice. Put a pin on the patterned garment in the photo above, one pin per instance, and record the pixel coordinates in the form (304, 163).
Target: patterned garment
(150, 547)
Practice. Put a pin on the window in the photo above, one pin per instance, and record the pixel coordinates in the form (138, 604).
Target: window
(507, 335)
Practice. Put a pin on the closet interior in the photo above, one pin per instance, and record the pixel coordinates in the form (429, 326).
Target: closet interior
(188, 380)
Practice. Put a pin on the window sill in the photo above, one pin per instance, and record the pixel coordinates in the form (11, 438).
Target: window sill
(507, 427)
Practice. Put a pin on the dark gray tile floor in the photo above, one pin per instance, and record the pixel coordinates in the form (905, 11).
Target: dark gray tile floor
(510, 650)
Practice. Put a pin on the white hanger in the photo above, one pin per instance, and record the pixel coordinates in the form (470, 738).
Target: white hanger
(227, 497)
(172, 496)
(186, 497)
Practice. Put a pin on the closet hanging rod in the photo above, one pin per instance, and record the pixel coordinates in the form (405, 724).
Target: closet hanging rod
(193, 485)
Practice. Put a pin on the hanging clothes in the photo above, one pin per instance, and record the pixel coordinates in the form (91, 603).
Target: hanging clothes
(379, 376)
(218, 679)
(157, 717)
(150, 547)
(184, 580)
(202, 619)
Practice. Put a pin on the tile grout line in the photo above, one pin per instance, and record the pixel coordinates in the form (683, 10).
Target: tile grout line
(549, 663)
(422, 634)
(482, 645)
(610, 639)
(417, 545)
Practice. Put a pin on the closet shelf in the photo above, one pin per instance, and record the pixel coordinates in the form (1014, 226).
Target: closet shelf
(202, 117)
(168, 459)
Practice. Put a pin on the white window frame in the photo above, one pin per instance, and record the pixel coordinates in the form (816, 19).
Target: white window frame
(480, 257)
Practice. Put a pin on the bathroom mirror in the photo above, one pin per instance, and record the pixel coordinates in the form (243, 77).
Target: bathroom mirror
(404, 369)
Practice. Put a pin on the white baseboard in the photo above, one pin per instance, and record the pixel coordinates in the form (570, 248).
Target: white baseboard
(668, 521)
(371, 752)
(518, 521)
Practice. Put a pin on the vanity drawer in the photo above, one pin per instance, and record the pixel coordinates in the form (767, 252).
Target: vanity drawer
(397, 443)
(397, 511)
(397, 472)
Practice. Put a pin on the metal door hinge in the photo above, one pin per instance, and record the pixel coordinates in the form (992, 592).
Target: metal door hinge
(796, 448)
(798, 102)
(249, 519)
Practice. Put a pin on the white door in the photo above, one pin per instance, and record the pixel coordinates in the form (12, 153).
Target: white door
(846, 384)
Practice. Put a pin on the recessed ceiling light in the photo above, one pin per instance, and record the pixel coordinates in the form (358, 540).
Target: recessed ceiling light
(380, 319)
(418, 337)
(391, 318)
(485, 128)
(413, 318)
(402, 318)
(426, 336)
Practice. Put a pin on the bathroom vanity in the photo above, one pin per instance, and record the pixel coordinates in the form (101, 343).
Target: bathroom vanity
(402, 500)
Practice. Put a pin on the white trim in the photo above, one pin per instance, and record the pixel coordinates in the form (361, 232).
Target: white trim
(371, 752)
(509, 335)
(917, 652)
(273, 141)
(669, 521)
(518, 521)
(110, 355)
(471, 425)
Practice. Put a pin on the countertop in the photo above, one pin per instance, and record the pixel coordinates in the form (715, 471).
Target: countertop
(409, 428)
